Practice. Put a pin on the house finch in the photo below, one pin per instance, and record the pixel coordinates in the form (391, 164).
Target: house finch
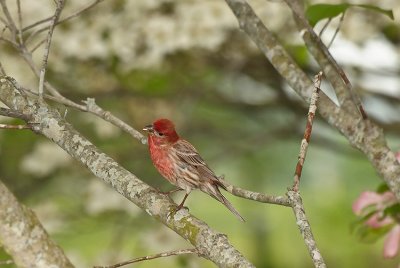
(180, 163)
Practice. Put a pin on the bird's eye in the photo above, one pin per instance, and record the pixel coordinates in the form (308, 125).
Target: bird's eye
(160, 134)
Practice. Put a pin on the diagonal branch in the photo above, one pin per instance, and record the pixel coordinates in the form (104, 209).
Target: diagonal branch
(333, 72)
(362, 134)
(73, 15)
(10, 22)
(307, 132)
(210, 244)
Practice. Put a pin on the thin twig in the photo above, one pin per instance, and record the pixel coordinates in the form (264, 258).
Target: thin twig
(36, 23)
(27, 56)
(38, 45)
(10, 24)
(90, 106)
(4, 22)
(12, 113)
(2, 71)
(5, 126)
(305, 228)
(20, 39)
(294, 194)
(5, 262)
(11, 42)
(259, 197)
(59, 8)
(38, 31)
(33, 34)
(307, 131)
(79, 12)
(324, 28)
(337, 30)
(151, 257)
(74, 15)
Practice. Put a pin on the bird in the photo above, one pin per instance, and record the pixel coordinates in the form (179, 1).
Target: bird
(179, 162)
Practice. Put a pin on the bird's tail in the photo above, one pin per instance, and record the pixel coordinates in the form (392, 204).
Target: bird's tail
(214, 192)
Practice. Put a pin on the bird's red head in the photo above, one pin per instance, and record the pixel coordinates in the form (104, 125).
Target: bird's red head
(163, 129)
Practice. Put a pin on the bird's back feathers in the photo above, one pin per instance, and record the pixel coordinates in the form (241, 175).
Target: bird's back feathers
(189, 155)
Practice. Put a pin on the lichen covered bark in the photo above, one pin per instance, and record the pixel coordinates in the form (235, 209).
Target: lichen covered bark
(24, 238)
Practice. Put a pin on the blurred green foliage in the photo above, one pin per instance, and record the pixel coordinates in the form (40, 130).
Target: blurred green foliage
(255, 145)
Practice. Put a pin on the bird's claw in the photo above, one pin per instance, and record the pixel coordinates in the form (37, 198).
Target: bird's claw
(176, 209)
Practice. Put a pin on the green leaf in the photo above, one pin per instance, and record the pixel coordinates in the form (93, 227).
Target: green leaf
(393, 210)
(318, 12)
(382, 188)
(387, 12)
(369, 235)
(360, 221)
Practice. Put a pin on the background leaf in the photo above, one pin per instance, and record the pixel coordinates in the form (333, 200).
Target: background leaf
(318, 12)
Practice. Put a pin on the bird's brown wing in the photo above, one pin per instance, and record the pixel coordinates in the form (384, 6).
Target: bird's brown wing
(193, 161)
(188, 154)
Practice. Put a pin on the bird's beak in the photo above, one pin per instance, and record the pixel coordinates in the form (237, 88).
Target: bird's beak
(148, 128)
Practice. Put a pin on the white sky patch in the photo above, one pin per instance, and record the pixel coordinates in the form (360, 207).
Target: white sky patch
(373, 54)
(381, 110)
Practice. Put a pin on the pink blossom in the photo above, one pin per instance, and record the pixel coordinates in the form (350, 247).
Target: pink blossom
(376, 221)
(377, 218)
(369, 198)
(397, 154)
(391, 245)
(364, 200)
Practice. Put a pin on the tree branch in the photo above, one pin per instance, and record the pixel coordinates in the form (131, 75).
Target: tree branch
(59, 8)
(11, 113)
(305, 228)
(362, 134)
(307, 132)
(24, 238)
(18, 127)
(73, 15)
(333, 72)
(209, 243)
(10, 22)
(152, 257)
(255, 196)
(294, 194)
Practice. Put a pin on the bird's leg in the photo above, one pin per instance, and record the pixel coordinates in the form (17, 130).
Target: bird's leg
(170, 191)
(183, 201)
(173, 191)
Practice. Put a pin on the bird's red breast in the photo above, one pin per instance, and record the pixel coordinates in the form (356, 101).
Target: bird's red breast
(159, 153)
